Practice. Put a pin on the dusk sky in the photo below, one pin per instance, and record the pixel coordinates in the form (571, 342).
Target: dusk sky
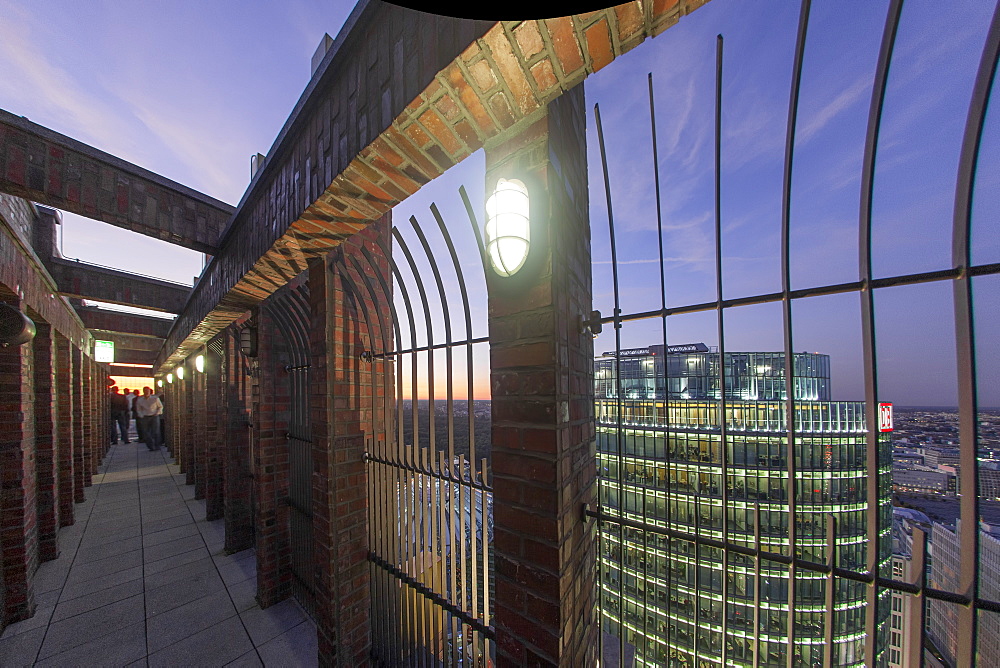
(191, 90)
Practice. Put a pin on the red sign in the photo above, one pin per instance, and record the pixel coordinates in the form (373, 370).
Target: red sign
(885, 417)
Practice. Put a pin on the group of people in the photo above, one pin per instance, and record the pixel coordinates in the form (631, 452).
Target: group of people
(147, 410)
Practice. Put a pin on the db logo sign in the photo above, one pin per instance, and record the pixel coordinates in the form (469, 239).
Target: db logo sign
(885, 417)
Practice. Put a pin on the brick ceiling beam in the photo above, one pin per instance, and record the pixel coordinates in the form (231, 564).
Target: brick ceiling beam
(85, 281)
(129, 356)
(49, 168)
(450, 87)
(126, 323)
(122, 341)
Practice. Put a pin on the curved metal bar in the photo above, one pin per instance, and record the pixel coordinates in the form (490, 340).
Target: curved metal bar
(786, 322)
(387, 292)
(618, 376)
(666, 367)
(413, 337)
(468, 337)
(868, 318)
(965, 341)
(430, 355)
(475, 228)
(449, 386)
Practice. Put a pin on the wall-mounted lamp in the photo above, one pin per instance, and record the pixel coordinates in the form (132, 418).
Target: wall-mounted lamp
(199, 363)
(180, 372)
(170, 378)
(508, 227)
(159, 382)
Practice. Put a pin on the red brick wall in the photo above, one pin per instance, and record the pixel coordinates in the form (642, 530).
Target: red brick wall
(238, 480)
(198, 435)
(342, 417)
(18, 509)
(542, 378)
(46, 442)
(215, 414)
(271, 410)
(65, 409)
(79, 409)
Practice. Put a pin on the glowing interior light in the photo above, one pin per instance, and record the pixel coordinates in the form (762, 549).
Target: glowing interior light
(180, 372)
(170, 378)
(199, 363)
(159, 383)
(507, 227)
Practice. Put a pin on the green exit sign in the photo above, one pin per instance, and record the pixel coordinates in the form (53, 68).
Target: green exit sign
(104, 351)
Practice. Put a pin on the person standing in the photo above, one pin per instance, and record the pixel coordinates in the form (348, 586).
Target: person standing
(119, 415)
(112, 436)
(148, 409)
(132, 414)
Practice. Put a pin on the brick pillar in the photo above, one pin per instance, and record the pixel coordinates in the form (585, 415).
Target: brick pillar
(215, 414)
(198, 435)
(544, 466)
(65, 409)
(46, 443)
(341, 415)
(238, 477)
(18, 509)
(271, 413)
(79, 409)
(87, 417)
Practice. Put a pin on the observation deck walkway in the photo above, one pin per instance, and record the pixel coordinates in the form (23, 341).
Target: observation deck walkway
(141, 581)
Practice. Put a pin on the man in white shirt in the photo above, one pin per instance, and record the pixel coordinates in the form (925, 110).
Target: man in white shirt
(148, 408)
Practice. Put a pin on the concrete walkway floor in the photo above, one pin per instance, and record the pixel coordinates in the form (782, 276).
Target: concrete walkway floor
(143, 580)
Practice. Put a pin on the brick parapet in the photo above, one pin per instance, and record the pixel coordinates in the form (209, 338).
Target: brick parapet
(18, 505)
(544, 467)
(488, 87)
(44, 166)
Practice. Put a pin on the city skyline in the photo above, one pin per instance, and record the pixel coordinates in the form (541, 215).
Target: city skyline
(164, 105)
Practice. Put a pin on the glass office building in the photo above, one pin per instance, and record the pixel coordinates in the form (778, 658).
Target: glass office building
(664, 459)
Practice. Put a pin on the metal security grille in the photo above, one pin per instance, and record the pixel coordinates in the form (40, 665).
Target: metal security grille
(430, 498)
(744, 517)
(290, 310)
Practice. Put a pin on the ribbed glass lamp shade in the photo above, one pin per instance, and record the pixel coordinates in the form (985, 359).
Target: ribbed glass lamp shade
(170, 378)
(508, 233)
(180, 373)
(199, 363)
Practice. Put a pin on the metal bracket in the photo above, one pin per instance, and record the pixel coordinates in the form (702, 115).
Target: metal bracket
(591, 325)
(366, 356)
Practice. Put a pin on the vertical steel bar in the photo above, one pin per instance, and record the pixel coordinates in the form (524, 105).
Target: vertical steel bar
(721, 328)
(786, 314)
(618, 386)
(831, 590)
(873, 522)
(968, 575)
(756, 587)
(916, 633)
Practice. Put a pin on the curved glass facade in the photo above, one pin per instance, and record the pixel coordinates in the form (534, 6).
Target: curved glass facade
(662, 463)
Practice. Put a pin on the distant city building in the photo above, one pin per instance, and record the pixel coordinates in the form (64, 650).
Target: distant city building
(660, 461)
(942, 622)
(903, 610)
(921, 479)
